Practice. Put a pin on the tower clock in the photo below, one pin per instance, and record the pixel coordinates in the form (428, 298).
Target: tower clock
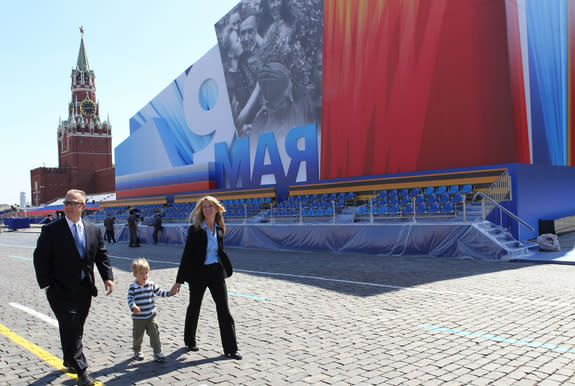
(88, 108)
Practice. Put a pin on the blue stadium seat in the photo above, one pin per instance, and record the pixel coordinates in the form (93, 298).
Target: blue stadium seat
(404, 200)
(453, 189)
(431, 198)
(421, 208)
(393, 209)
(433, 208)
(429, 190)
(403, 192)
(447, 207)
(466, 189)
(415, 191)
(408, 208)
(456, 198)
(419, 199)
(444, 197)
(382, 209)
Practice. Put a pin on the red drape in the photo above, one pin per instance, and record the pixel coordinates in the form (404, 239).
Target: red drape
(415, 85)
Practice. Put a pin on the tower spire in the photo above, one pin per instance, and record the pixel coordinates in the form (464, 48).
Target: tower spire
(82, 64)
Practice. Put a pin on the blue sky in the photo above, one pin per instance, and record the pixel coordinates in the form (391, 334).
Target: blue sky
(135, 48)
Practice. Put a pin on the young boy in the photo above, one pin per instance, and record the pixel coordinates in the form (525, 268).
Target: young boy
(141, 302)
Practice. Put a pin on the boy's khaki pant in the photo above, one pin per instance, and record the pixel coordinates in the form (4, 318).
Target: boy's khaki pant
(150, 326)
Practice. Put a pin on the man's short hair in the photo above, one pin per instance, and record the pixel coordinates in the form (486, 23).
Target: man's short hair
(77, 191)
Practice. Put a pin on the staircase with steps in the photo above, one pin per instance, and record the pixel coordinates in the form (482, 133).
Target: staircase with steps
(502, 237)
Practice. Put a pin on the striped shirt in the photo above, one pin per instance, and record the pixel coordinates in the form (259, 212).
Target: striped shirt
(143, 297)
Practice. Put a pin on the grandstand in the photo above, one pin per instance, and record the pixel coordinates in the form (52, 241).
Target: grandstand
(427, 197)
(431, 196)
(433, 206)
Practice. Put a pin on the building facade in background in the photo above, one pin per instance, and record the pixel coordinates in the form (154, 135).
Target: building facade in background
(84, 143)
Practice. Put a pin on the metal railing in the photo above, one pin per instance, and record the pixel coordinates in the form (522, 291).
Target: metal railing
(485, 198)
(499, 191)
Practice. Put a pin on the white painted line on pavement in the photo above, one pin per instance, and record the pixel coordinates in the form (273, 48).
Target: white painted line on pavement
(17, 246)
(497, 338)
(37, 314)
(506, 299)
(21, 257)
(169, 262)
(149, 260)
(512, 300)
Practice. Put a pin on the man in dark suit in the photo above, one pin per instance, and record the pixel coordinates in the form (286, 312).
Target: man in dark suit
(133, 228)
(157, 224)
(64, 261)
(109, 221)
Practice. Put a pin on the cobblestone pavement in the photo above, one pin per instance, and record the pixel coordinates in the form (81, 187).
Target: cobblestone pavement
(312, 319)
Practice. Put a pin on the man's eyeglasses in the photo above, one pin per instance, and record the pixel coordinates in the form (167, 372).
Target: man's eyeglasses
(74, 203)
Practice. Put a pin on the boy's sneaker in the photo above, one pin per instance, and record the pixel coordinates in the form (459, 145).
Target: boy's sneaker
(159, 357)
(138, 356)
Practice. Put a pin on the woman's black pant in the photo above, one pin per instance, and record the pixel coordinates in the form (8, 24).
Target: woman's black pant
(210, 276)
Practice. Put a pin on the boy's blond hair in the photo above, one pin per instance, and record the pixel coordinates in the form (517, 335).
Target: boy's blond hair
(140, 264)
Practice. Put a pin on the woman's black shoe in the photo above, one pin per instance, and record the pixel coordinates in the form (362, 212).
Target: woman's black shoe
(233, 355)
(193, 348)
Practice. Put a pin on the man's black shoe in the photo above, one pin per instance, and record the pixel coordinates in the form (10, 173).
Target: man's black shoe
(85, 380)
(233, 355)
(70, 368)
(193, 348)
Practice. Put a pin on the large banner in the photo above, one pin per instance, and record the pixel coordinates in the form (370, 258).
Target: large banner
(272, 58)
(298, 91)
(171, 143)
(246, 114)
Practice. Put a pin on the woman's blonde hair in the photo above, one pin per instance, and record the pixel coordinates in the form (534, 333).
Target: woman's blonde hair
(197, 216)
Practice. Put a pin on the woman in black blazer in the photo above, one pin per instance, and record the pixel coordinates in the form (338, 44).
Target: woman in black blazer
(204, 264)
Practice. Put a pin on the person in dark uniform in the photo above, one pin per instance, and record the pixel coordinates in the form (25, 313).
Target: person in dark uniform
(133, 228)
(109, 236)
(157, 224)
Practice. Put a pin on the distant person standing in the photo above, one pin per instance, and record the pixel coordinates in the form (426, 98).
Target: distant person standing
(109, 221)
(157, 224)
(133, 228)
(64, 261)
